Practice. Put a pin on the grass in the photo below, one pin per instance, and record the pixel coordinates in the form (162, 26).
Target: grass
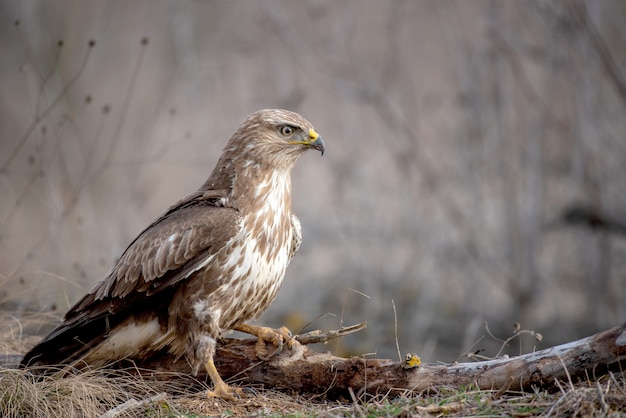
(113, 394)
(87, 394)
(123, 394)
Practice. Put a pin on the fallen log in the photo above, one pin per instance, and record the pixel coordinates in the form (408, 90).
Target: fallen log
(303, 370)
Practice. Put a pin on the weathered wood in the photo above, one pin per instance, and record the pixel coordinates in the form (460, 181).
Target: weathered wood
(309, 371)
(304, 370)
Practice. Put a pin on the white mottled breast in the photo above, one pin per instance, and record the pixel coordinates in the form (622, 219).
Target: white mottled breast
(256, 260)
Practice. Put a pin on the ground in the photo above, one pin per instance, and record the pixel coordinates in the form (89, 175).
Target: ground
(119, 396)
(124, 394)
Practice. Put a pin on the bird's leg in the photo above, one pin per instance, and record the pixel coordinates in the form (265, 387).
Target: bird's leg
(220, 388)
(275, 336)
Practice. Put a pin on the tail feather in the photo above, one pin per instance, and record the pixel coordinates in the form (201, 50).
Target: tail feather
(83, 330)
(68, 342)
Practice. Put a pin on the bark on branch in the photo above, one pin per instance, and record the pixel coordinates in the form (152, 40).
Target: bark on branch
(307, 371)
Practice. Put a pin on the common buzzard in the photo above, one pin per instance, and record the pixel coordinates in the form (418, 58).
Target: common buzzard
(210, 263)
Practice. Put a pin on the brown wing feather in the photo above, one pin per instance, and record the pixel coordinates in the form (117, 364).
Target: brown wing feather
(196, 224)
(164, 254)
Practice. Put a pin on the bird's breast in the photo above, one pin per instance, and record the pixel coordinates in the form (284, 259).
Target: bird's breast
(253, 270)
(253, 264)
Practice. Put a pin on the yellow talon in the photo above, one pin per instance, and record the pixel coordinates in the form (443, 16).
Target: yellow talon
(277, 337)
(220, 388)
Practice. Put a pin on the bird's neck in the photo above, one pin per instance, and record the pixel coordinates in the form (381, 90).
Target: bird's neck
(265, 204)
(252, 188)
(265, 192)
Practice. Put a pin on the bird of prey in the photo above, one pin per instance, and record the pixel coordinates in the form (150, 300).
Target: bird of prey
(211, 262)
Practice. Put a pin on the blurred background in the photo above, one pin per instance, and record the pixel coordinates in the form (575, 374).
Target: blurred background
(475, 169)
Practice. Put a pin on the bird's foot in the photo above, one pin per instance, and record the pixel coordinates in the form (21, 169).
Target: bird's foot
(277, 337)
(224, 391)
(220, 388)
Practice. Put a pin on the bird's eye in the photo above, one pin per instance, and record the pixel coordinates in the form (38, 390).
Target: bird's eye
(287, 130)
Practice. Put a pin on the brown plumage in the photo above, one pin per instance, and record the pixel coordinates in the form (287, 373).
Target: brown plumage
(213, 261)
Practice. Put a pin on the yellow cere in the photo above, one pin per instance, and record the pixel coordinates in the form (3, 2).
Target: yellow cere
(313, 135)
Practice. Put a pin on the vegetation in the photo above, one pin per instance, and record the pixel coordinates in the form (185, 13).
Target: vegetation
(125, 393)
(93, 394)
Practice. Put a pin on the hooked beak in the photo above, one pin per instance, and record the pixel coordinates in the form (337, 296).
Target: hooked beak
(315, 141)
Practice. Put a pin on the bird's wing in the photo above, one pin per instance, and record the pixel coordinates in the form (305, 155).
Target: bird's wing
(165, 253)
(168, 251)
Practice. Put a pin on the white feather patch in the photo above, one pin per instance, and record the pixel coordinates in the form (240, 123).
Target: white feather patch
(130, 340)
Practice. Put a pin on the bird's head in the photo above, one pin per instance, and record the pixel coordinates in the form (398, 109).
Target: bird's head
(268, 141)
(274, 138)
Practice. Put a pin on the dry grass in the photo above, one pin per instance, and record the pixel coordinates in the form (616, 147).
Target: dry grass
(122, 394)
(93, 394)
(83, 395)
(125, 394)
